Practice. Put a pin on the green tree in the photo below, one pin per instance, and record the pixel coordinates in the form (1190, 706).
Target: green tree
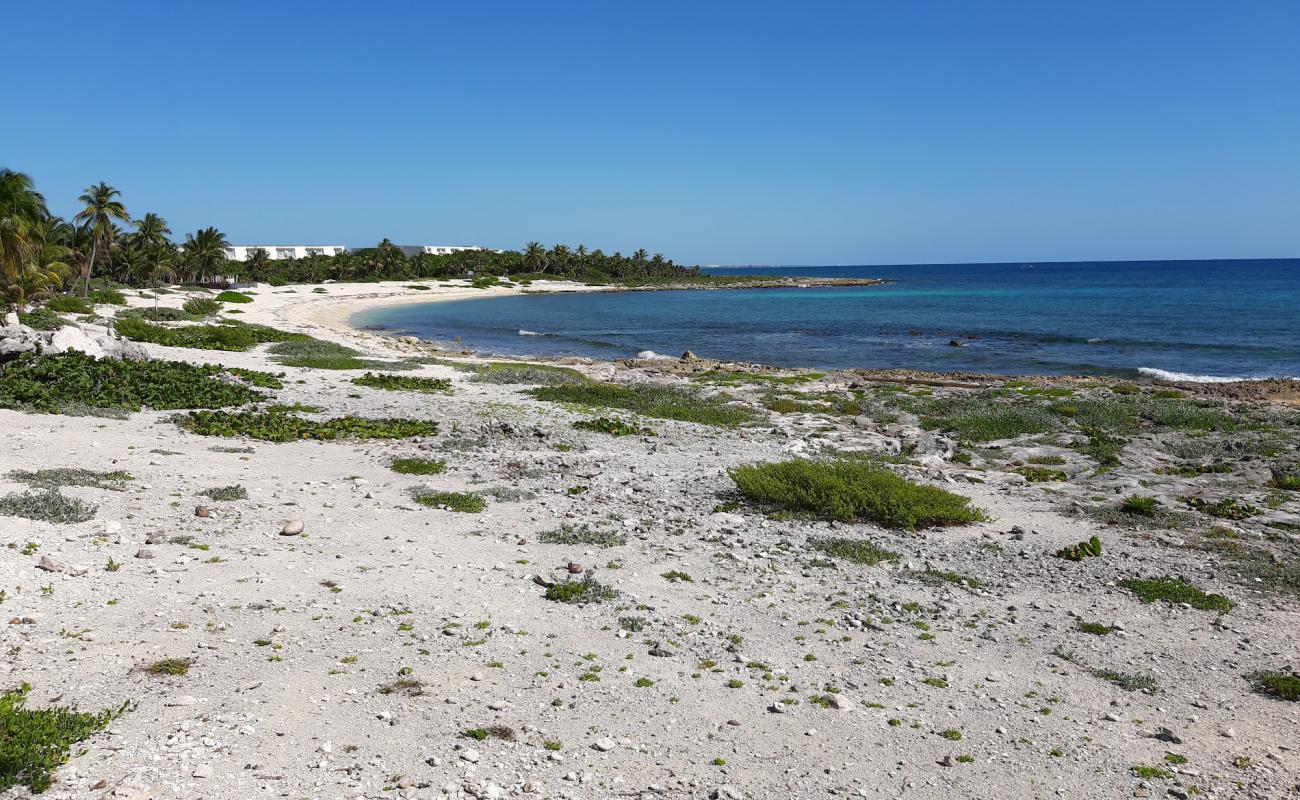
(101, 208)
(535, 257)
(204, 252)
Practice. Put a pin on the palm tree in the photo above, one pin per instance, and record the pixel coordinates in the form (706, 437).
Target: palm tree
(21, 207)
(256, 264)
(159, 270)
(101, 208)
(43, 267)
(535, 258)
(204, 250)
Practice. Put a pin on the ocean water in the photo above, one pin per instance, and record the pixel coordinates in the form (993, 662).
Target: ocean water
(1201, 320)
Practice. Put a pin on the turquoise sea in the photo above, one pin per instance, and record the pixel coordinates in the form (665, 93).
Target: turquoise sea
(1185, 319)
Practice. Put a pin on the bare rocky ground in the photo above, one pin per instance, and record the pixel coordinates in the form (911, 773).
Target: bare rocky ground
(351, 660)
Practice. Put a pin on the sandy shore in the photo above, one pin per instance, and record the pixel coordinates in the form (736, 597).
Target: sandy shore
(394, 650)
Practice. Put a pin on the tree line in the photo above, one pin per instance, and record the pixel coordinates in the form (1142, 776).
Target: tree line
(42, 254)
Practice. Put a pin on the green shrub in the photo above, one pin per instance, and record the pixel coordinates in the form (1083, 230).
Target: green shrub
(581, 534)
(463, 502)
(1278, 684)
(36, 742)
(983, 419)
(169, 666)
(41, 319)
(859, 551)
(509, 372)
(236, 492)
(272, 426)
(649, 400)
(418, 466)
(1139, 505)
(1078, 552)
(614, 427)
(262, 380)
(404, 383)
(58, 383)
(160, 314)
(581, 592)
(1094, 628)
(1227, 508)
(108, 297)
(1286, 481)
(233, 297)
(316, 354)
(1175, 590)
(1041, 474)
(49, 505)
(199, 337)
(68, 304)
(201, 306)
(73, 476)
(849, 491)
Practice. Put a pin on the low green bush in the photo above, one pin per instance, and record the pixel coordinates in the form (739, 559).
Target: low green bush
(1041, 474)
(71, 476)
(1175, 590)
(60, 383)
(68, 304)
(199, 337)
(859, 551)
(581, 592)
(273, 426)
(404, 383)
(1282, 685)
(982, 419)
(571, 534)
(201, 306)
(1286, 481)
(49, 505)
(36, 742)
(41, 319)
(108, 297)
(418, 466)
(1139, 505)
(648, 400)
(160, 314)
(848, 491)
(1226, 508)
(233, 297)
(508, 372)
(317, 354)
(613, 427)
(226, 493)
(463, 502)
(1078, 552)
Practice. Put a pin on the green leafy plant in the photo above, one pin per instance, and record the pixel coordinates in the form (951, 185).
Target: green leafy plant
(571, 534)
(1041, 474)
(201, 306)
(462, 502)
(859, 551)
(236, 492)
(848, 491)
(581, 592)
(1077, 552)
(233, 297)
(404, 383)
(1227, 508)
(36, 742)
(49, 505)
(648, 400)
(418, 466)
(1139, 505)
(614, 427)
(69, 304)
(273, 426)
(1175, 590)
(71, 476)
(1282, 685)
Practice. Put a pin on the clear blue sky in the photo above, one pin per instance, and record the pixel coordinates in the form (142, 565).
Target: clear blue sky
(800, 132)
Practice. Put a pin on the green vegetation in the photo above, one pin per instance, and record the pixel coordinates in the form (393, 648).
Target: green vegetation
(1078, 552)
(317, 354)
(649, 400)
(107, 297)
(68, 304)
(236, 492)
(49, 505)
(1150, 773)
(581, 534)
(859, 551)
(201, 306)
(233, 297)
(614, 427)
(581, 592)
(462, 502)
(1042, 474)
(727, 377)
(276, 426)
(677, 576)
(848, 491)
(73, 476)
(169, 666)
(981, 419)
(228, 336)
(404, 383)
(1287, 481)
(1281, 685)
(1227, 508)
(418, 466)
(68, 381)
(1175, 590)
(36, 742)
(41, 319)
(1139, 505)
(1094, 628)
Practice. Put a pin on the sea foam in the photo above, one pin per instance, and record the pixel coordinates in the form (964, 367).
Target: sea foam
(1166, 375)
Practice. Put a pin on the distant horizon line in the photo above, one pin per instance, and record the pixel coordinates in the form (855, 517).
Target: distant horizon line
(995, 263)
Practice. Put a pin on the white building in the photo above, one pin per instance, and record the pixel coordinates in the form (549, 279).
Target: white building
(434, 249)
(277, 252)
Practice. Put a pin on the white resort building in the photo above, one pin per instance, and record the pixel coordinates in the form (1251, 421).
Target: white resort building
(277, 252)
(434, 249)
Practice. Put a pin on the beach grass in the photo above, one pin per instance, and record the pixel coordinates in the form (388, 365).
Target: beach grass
(650, 400)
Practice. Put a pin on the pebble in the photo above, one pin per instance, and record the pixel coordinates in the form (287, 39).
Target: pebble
(292, 528)
(202, 771)
(604, 745)
(202, 511)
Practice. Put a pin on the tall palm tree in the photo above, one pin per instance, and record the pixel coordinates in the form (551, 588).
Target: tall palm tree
(43, 267)
(101, 208)
(150, 240)
(535, 258)
(204, 251)
(21, 208)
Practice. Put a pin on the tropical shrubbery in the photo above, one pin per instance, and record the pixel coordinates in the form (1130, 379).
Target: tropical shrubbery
(318, 354)
(67, 304)
(233, 297)
(201, 306)
(848, 491)
(279, 426)
(36, 742)
(1175, 590)
(57, 383)
(404, 383)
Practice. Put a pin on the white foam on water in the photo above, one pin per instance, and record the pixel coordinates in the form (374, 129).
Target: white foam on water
(651, 354)
(1166, 375)
(523, 332)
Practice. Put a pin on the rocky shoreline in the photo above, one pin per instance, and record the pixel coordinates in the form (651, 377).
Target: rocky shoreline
(341, 637)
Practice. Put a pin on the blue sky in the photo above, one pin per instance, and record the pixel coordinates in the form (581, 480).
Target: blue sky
(801, 132)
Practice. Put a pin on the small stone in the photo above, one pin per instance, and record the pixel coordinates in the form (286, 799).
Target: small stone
(202, 511)
(292, 528)
(469, 754)
(726, 792)
(660, 652)
(574, 568)
(144, 552)
(604, 745)
(202, 771)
